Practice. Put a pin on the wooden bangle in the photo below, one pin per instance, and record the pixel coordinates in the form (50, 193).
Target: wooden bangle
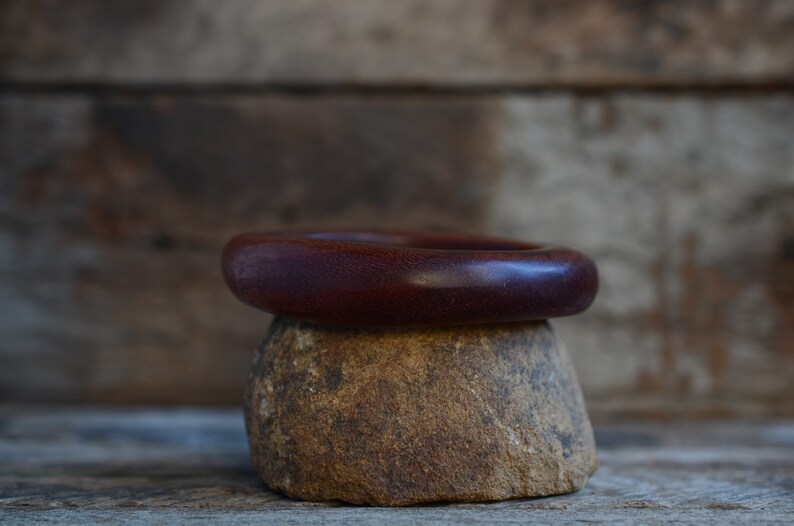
(396, 279)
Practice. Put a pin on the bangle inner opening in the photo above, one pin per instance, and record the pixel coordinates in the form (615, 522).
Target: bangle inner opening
(429, 240)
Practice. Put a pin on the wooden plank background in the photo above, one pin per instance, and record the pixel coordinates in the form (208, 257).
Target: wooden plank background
(423, 42)
(136, 137)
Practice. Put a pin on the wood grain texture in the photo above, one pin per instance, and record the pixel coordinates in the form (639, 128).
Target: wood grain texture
(155, 466)
(386, 278)
(416, 42)
(687, 206)
(114, 214)
(114, 210)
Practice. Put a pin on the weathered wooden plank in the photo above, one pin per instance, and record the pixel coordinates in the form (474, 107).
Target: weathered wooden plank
(113, 211)
(416, 42)
(687, 205)
(160, 466)
(377, 516)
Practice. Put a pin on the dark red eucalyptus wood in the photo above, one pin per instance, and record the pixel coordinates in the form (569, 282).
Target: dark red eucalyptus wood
(394, 279)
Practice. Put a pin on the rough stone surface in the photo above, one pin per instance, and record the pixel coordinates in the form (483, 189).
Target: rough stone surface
(398, 417)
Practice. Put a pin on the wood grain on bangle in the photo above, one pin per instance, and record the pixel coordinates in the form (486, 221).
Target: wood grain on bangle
(394, 278)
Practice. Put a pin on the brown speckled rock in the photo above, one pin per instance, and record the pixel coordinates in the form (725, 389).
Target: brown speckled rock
(397, 417)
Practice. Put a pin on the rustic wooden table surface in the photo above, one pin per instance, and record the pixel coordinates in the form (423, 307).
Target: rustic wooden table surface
(164, 466)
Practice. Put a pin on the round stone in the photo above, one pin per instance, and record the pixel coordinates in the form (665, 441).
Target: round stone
(405, 416)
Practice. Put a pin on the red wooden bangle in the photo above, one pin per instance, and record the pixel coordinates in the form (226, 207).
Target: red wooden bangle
(394, 279)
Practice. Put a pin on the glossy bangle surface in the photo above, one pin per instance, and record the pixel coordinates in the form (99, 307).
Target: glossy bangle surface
(396, 278)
